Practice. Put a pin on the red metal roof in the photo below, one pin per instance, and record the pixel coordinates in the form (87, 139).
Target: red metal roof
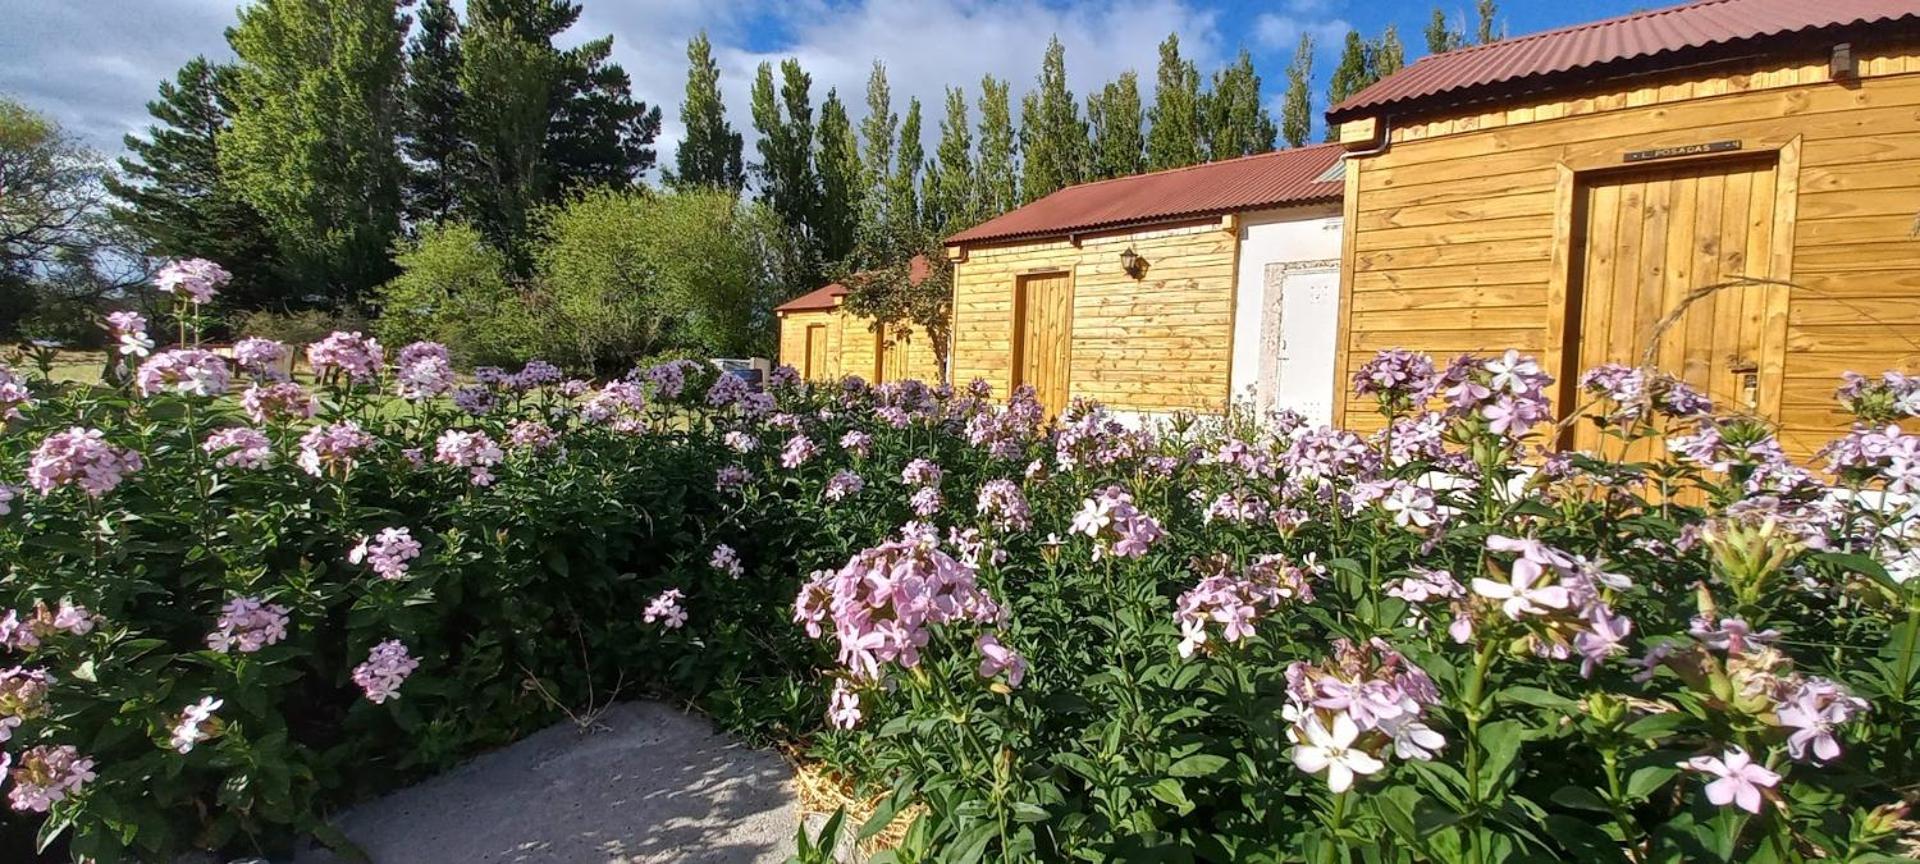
(828, 296)
(1685, 28)
(1231, 185)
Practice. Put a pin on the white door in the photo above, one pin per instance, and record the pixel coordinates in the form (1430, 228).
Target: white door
(1303, 373)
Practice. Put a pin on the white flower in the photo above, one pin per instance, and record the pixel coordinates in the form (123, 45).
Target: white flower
(189, 731)
(1331, 750)
(1519, 598)
(1412, 739)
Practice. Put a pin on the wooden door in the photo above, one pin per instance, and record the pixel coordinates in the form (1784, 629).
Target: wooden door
(1043, 337)
(1649, 238)
(816, 352)
(892, 356)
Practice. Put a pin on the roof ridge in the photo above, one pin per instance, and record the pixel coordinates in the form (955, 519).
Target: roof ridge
(1194, 167)
(1575, 28)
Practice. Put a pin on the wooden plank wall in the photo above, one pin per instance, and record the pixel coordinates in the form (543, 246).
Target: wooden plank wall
(1157, 344)
(1452, 233)
(850, 347)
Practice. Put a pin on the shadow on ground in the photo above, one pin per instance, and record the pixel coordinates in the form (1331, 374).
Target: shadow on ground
(653, 785)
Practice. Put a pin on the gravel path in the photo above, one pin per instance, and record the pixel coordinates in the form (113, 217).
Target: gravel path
(654, 786)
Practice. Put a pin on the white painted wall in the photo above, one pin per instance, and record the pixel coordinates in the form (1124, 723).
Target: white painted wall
(1305, 244)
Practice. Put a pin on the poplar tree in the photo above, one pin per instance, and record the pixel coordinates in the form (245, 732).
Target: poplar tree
(952, 200)
(1296, 107)
(1052, 135)
(710, 153)
(1173, 134)
(877, 132)
(1442, 37)
(903, 191)
(312, 142)
(1388, 55)
(997, 179)
(842, 198)
(433, 141)
(1233, 121)
(1353, 74)
(1488, 32)
(1115, 113)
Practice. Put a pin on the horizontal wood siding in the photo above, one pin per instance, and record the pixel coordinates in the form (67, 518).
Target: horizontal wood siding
(1160, 343)
(793, 340)
(1453, 233)
(850, 347)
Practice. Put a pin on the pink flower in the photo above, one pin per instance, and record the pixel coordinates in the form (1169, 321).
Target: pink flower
(14, 394)
(239, 447)
(798, 450)
(740, 442)
(7, 494)
(1604, 637)
(186, 372)
(844, 709)
(1814, 712)
(1003, 506)
(884, 601)
(261, 358)
(996, 658)
(46, 775)
(247, 624)
(23, 697)
(843, 485)
(618, 399)
(80, 457)
(474, 451)
(925, 501)
(196, 724)
(921, 472)
(387, 667)
(533, 436)
(1322, 747)
(129, 330)
(857, 443)
(727, 561)
(667, 610)
(423, 370)
(195, 280)
(387, 552)
(333, 449)
(282, 401)
(1117, 527)
(1740, 779)
(358, 357)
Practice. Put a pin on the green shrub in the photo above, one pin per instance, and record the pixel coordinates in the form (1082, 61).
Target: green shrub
(456, 289)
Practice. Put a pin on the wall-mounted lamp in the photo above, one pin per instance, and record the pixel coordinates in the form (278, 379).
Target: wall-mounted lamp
(1131, 262)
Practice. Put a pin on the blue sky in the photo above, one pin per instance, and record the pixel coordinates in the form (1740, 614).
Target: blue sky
(92, 64)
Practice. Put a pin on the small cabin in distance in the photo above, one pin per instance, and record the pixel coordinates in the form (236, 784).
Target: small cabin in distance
(824, 342)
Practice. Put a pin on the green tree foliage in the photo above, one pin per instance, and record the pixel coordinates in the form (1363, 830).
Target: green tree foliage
(952, 201)
(457, 289)
(47, 213)
(1389, 56)
(877, 131)
(1053, 138)
(508, 67)
(1441, 36)
(1362, 62)
(1296, 107)
(842, 189)
(432, 138)
(1488, 31)
(1234, 122)
(1115, 113)
(788, 182)
(710, 152)
(903, 191)
(1173, 136)
(312, 139)
(171, 195)
(997, 180)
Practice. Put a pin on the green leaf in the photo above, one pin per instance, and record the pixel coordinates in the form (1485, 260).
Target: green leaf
(1648, 779)
(1654, 727)
(1579, 798)
(1535, 697)
(1198, 765)
(1500, 742)
(1588, 843)
(1171, 792)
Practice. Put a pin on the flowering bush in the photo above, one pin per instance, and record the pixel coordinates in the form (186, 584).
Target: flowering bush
(1238, 639)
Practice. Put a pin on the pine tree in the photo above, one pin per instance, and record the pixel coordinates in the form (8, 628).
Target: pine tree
(1441, 37)
(599, 135)
(952, 202)
(433, 140)
(312, 142)
(1052, 135)
(1488, 32)
(709, 154)
(507, 72)
(1388, 55)
(1296, 108)
(175, 200)
(1115, 113)
(1173, 134)
(997, 180)
(842, 186)
(1233, 121)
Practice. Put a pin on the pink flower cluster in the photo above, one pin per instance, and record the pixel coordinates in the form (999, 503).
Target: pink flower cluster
(533, 436)
(284, 400)
(1003, 506)
(43, 624)
(333, 449)
(857, 444)
(129, 332)
(799, 450)
(882, 603)
(666, 609)
(248, 624)
(195, 280)
(1350, 710)
(842, 485)
(620, 403)
(423, 370)
(14, 394)
(239, 447)
(386, 552)
(358, 357)
(1236, 599)
(386, 668)
(185, 371)
(1892, 396)
(1398, 378)
(669, 379)
(474, 451)
(1638, 394)
(1507, 393)
(727, 561)
(83, 458)
(46, 775)
(23, 697)
(261, 358)
(1117, 527)
(195, 724)
(1559, 597)
(921, 472)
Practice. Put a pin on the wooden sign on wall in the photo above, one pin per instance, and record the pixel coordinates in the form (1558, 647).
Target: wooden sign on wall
(1682, 150)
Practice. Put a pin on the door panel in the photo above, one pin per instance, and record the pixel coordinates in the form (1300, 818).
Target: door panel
(1303, 364)
(816, 352)
(1651, 238)
(1043, 323)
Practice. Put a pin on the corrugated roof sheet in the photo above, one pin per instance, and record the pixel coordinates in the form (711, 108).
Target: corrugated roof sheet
(828, 296)
(1676, 29)
(1274, 179)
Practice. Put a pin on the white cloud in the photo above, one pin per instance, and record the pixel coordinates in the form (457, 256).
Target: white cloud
(1282, 32)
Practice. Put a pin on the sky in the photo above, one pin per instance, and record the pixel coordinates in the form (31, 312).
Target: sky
(93, 64)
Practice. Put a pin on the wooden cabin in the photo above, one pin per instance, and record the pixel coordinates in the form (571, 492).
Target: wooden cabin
(825, 342)
(1563, 192)
(1179, 290)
